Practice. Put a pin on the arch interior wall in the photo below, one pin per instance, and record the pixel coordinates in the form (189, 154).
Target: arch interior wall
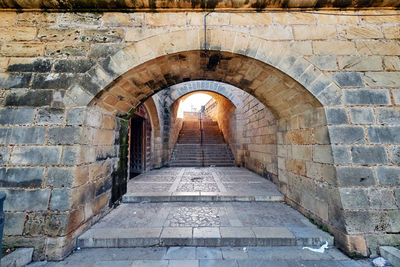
(65, 76)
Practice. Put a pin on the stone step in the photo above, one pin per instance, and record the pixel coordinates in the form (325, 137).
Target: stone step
(198, 236)
(157, 197)
(207, 256)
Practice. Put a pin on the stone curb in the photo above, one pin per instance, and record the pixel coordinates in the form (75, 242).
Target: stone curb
(392, 254)
(18, 258)
(202, 197)
(198, 236)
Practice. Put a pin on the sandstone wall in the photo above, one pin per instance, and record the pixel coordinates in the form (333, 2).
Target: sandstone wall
(346, 84)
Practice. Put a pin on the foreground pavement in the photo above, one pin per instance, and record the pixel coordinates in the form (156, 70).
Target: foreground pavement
(203, 217)
(205, 257)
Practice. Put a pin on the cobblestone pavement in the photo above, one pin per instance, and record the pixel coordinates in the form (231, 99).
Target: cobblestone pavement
(205, 257)
(198, 214)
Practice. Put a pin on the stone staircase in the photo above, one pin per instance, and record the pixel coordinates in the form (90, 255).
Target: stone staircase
(214, 207)
(200, 144)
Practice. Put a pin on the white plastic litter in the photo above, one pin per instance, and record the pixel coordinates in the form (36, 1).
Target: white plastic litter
(245, 249)
(319, 250)
(78, 248)
(379, 262)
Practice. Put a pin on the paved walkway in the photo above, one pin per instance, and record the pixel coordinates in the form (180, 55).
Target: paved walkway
(203, 217)
(201, 184)
(205, 257)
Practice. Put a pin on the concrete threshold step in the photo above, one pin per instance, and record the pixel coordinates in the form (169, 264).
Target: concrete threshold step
(200, 236)
(157, 197)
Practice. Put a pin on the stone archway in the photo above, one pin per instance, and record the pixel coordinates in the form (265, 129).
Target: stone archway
(296, 96)
(280, 57)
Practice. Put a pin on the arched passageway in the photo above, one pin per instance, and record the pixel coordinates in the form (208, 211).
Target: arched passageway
(303, 165)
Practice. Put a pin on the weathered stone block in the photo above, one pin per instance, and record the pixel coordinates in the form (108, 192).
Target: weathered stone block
(341, 154)
(391, 63)
(331, 96)
(394, 218)
(346, 134)
(302, 152)
(394, 154)
(362, 115)
(95, 80)
(20, 80)
(4, 154)
(378, 48)
(382, 79)
(314, 32)
(21, 177)
(103, 36)
(322, 154)
(334, 48)
(52, 81)
(381, 199)
(389, 115)
(384, 134)
(70, 155)
(26, 200)
(29, 65)
(73, 65)
(367, 221)
(45, 224)
(273, 33)
(354, 198)
(60, 177)
(22, 49)
(76, 95)
(26, 135)
(50, 116)
(33, 98)
(389, 176)
(71, 20)
(66, 49)
(104, 186)
(14, 223)
(360, 32)
(35, 155)
(75, 116)
(66, 136)
(355, 176)
(17, 115)
(357, 63)
(59, 35)
(258, 19)
(8, 19)
(324, 62)
(397, 195)
(117, 19)
(103, 50)
(293, 18)
(366, 97)
(158, 20)
(369, 154)
(60, 199)
(348, 79)
(336, 116)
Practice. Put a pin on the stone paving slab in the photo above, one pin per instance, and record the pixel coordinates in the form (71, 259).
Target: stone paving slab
(225, 184)
(206, 256)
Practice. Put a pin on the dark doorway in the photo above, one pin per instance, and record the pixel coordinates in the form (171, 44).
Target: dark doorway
(140, 140)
